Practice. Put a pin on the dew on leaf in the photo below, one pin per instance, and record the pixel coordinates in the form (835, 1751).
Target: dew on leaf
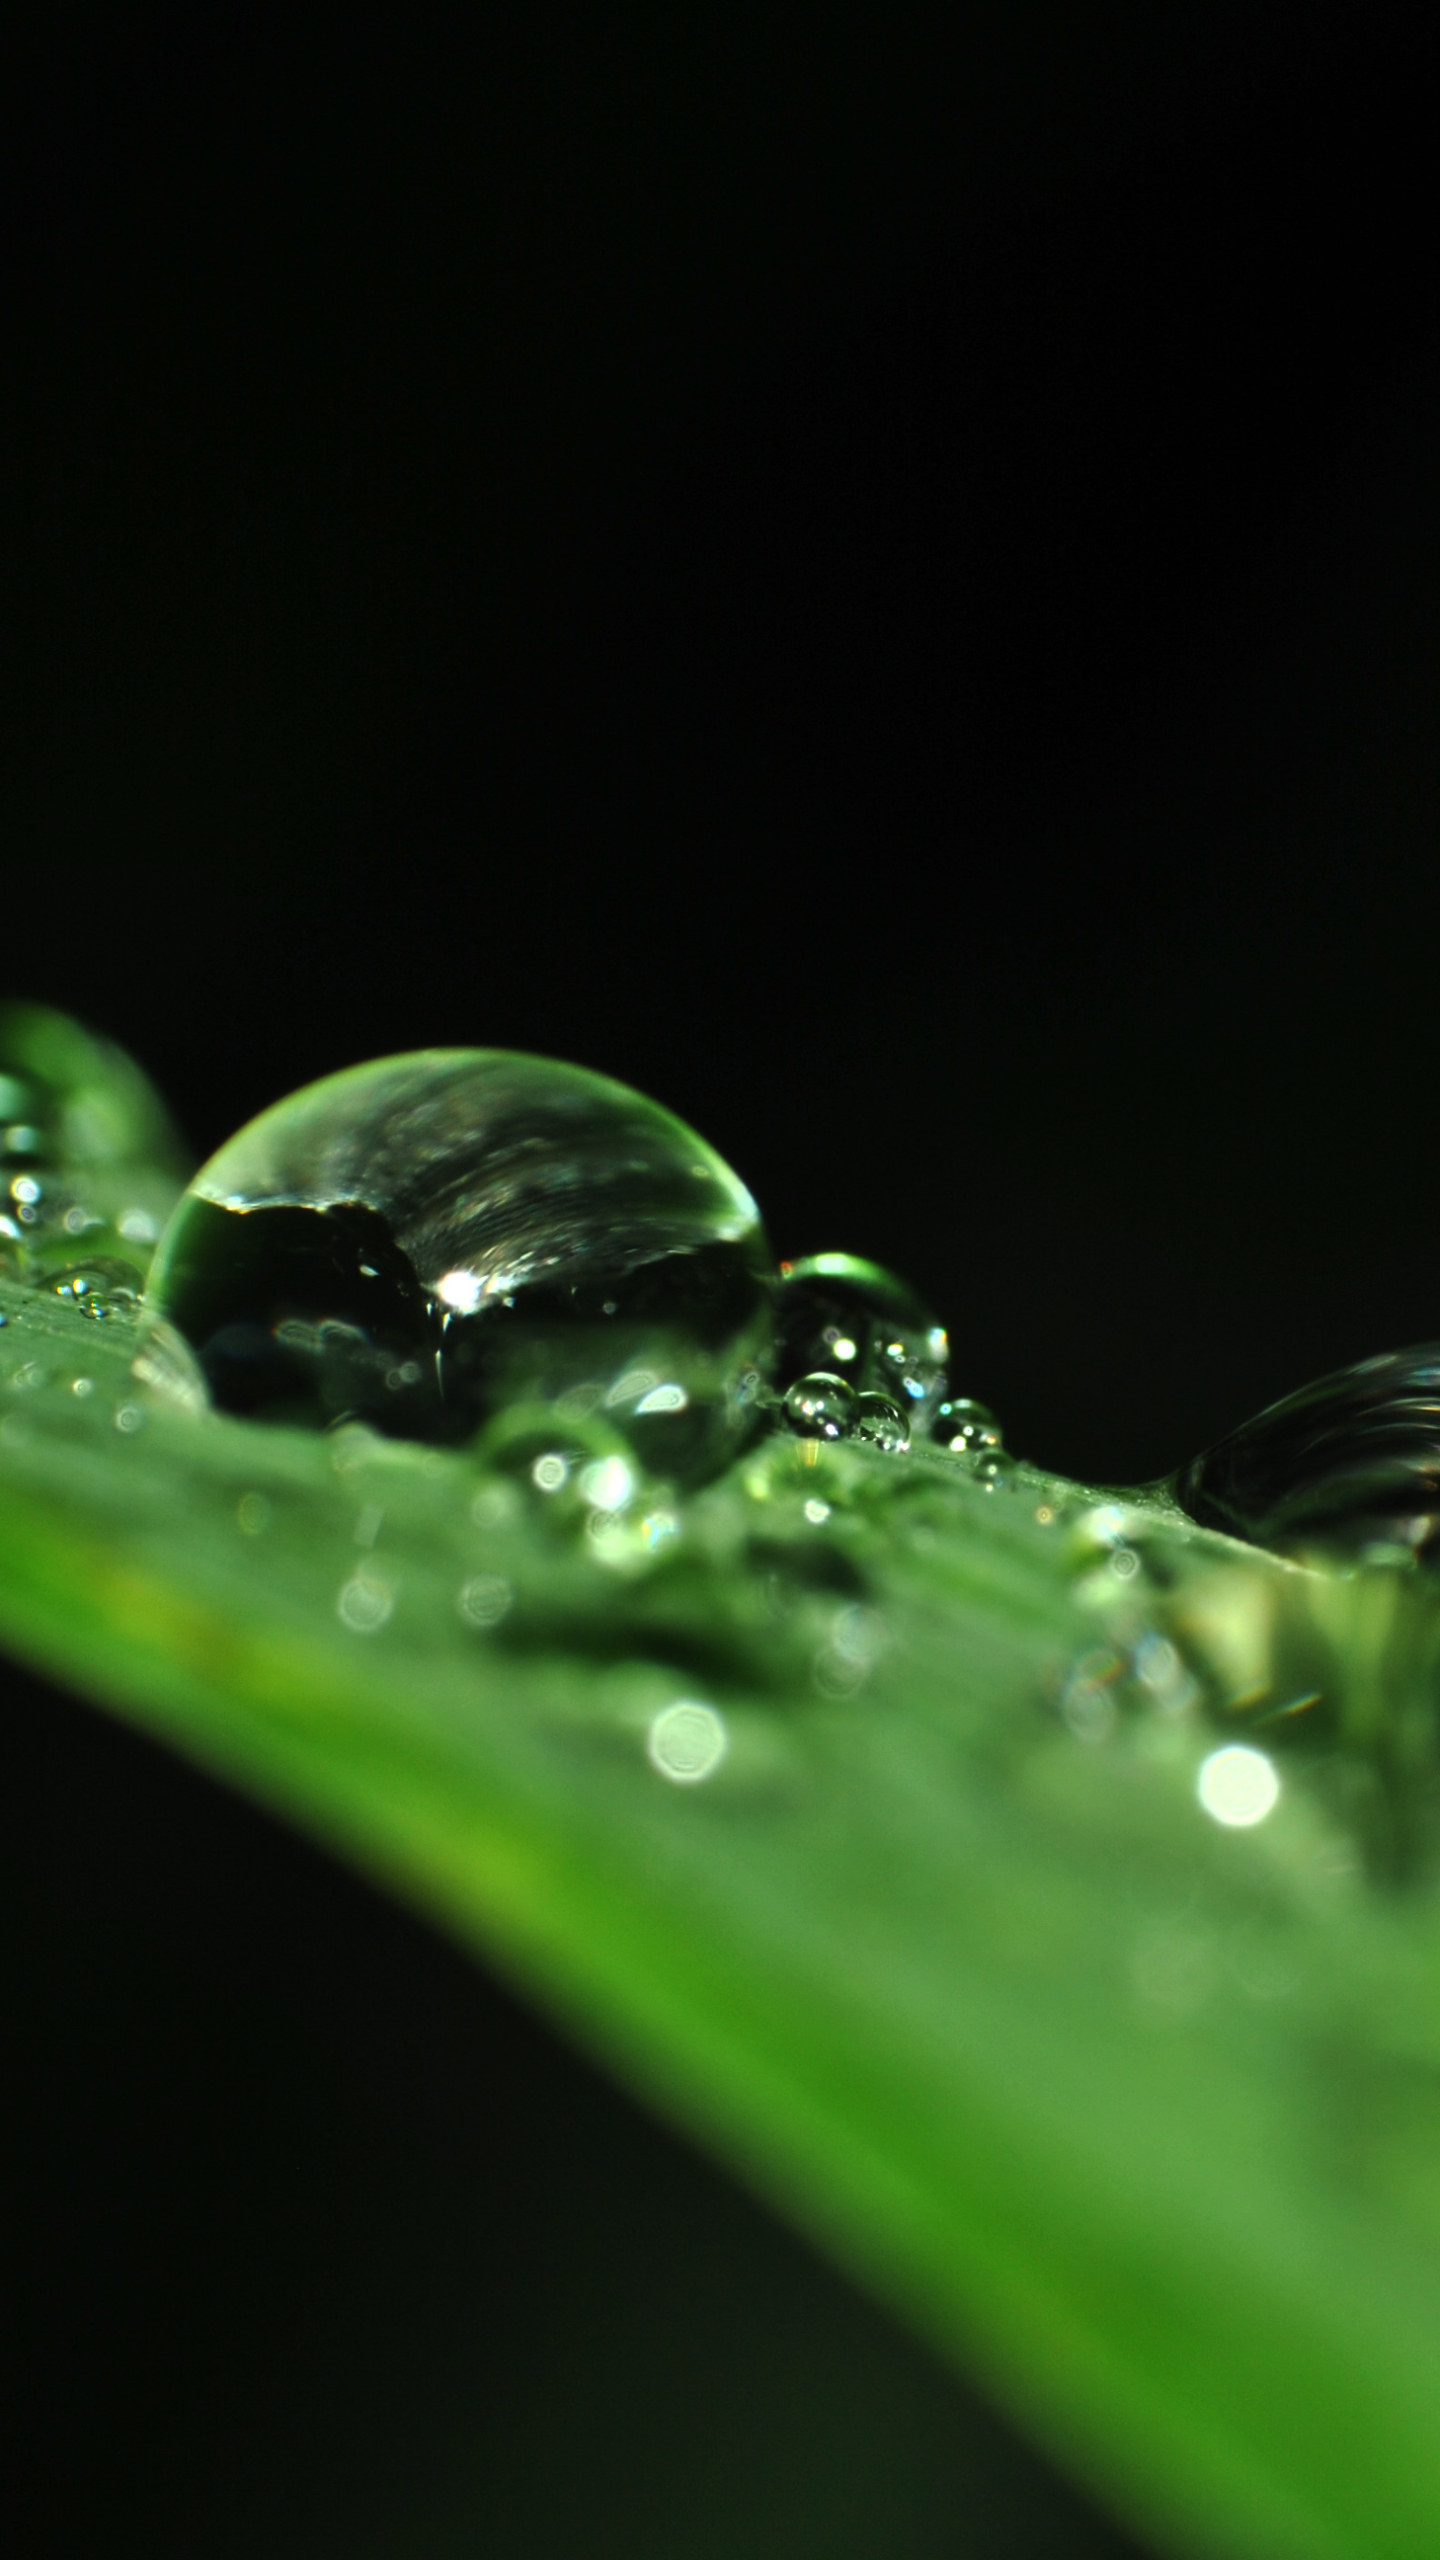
(101, 1289)
(687, 1742)
(87, 1149)
(1347, 1467)
(821, 1407)
(852, 1319)
(880, 1421)
(364, 1604)
(432, 1240)
(964, 1427)
(484, 1599)
(1238, 1786)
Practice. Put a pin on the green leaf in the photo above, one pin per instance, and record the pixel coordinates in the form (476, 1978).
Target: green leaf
(849, 1809)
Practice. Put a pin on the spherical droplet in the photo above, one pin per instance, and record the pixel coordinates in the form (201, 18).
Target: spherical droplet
(1348, 1466)
(687, 1742)
(1238, 1786)
(485, 1598)
(821, 1407)
(839, 1313)
(879, 1420)
(364, 1604)
(434, 1239)
(965, 1428)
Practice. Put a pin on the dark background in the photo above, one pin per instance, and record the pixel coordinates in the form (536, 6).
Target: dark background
(872, 571)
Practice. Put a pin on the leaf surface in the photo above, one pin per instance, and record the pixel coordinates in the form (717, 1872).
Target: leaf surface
(914, 1916)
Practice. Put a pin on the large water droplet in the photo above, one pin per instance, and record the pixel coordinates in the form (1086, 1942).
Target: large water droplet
(1349, 1465)
(841, 1314)
(431, 1240)
(90, 1164)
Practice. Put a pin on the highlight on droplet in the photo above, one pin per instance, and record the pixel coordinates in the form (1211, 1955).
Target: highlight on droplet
(1238, 1786)
(687, 1742)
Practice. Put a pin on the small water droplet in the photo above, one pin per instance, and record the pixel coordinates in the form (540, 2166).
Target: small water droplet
(1238, 1786)
(816, 1512)
(965, 1428)
(607, 1484)
(460, 1232)
(839, 1314)
(364, 1604)
(85, 1143)
(1088, 1700)
(82, 1387)
(485, 1598)
(687, 1742)
(129, 1419)
(879, 1420)
(821, 1407)
(101, 1289)
(1347, 1465)
(253, 1513)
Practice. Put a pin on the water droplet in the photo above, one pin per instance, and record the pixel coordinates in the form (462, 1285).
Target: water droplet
(167, 1367)
(687, 1742)
(82, 1387)
(852, 1319)
(101, 1289)
(253, 1513)
(1088, 1699)
(129, 1419)
(1349, 1464)
(816, 1511)
(364, 1603)
(1238, 1786)
(965, 1428)
(879, 1420)
(484, 1599)
(86, 1146)
(821, 1407)
(461, 1231)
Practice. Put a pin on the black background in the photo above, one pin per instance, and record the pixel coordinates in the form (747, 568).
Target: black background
(872, 571)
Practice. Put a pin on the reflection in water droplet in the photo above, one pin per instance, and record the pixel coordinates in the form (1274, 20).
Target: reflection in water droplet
(1237, 1786)
(879, 1420)
(1348, 1465)
(821, 1407)
(849, 1318)
(434, 1239)
(687, 1742)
